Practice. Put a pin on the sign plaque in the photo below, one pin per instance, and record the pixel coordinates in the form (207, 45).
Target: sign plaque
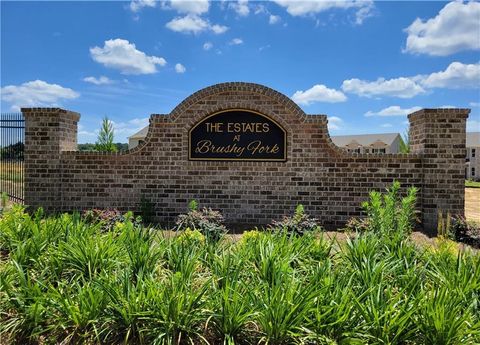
(237, 134)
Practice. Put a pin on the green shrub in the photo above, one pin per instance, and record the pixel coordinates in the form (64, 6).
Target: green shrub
(206, 220)
(3, 201)
(466, 231)
(298, 224)
(389, 213)
(109, 218)
(358, 224)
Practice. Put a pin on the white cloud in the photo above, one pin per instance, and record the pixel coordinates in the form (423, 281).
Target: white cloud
(301, 8)
(260, 9)
(473, 126)
(207, 45)
(474, 104)
(262, 48)
(219, 29)
(393, 110)
(98, 81)
(127, 128)
(386, 125)
(456, 28)
(397, 87)
(457, 75)
(179, 68)
(194, 24)
(273, 19)
(334, 123)
(190, 6)
(236, 42)
(36, 93)
(122, 55)
(312, 7)
(240, 7)
(364, 13)
(137, 5)
(188, 24)
(318, 93)
(83, 132)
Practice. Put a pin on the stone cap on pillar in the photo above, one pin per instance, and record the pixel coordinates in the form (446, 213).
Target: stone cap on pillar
(51, 111)
(433, 112)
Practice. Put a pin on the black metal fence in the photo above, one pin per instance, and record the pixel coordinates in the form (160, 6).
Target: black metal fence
(12, 140)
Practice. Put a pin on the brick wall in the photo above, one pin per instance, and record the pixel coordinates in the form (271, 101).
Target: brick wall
(439, 136)
(329, 182)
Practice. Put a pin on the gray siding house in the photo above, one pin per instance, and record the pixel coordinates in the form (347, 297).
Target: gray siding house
(364, 143)
(369, 143)
(472, 164)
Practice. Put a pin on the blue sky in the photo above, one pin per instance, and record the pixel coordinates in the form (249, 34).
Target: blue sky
(364, 64)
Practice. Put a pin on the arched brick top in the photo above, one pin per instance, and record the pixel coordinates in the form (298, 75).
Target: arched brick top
(240, 87)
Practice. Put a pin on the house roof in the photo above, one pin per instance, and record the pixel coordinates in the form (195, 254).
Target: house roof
(473, 139)
(141, 134)
(365, 139)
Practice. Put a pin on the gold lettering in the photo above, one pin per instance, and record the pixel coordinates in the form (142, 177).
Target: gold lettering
(216, 127)
(203, 146)
(266, 128)
(256, 147)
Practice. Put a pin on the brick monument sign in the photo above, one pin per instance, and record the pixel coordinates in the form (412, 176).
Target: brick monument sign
(248, 151)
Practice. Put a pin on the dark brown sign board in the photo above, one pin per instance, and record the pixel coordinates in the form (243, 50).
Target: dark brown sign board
(237, 134)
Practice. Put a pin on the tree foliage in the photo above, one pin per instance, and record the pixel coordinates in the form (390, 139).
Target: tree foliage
(405, 142)
(105, 137)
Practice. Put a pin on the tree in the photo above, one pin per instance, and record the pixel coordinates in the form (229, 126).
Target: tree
(105, 137)
(13, 151)
(405, 142)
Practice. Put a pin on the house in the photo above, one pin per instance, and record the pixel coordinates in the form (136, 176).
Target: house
(472, 164)
(137, 138)
(363, 143)
(369, 143)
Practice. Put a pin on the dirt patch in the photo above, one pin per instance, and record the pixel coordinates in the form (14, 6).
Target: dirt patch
(472, 204)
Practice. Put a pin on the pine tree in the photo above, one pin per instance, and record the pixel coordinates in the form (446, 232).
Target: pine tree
(105, 137)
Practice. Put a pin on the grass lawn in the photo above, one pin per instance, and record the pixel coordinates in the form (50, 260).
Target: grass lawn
(11, 171)
(472, 184)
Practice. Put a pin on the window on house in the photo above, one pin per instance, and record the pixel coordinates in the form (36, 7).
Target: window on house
(473, 171)
(378, 150)
(473, 153)
(356, 150)
(366, 150)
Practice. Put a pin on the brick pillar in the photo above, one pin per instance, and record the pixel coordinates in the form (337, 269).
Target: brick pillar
(48, 132)
(439, 135)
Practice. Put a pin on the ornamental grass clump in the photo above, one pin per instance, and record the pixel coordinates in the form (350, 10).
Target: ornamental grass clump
(64, 280)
